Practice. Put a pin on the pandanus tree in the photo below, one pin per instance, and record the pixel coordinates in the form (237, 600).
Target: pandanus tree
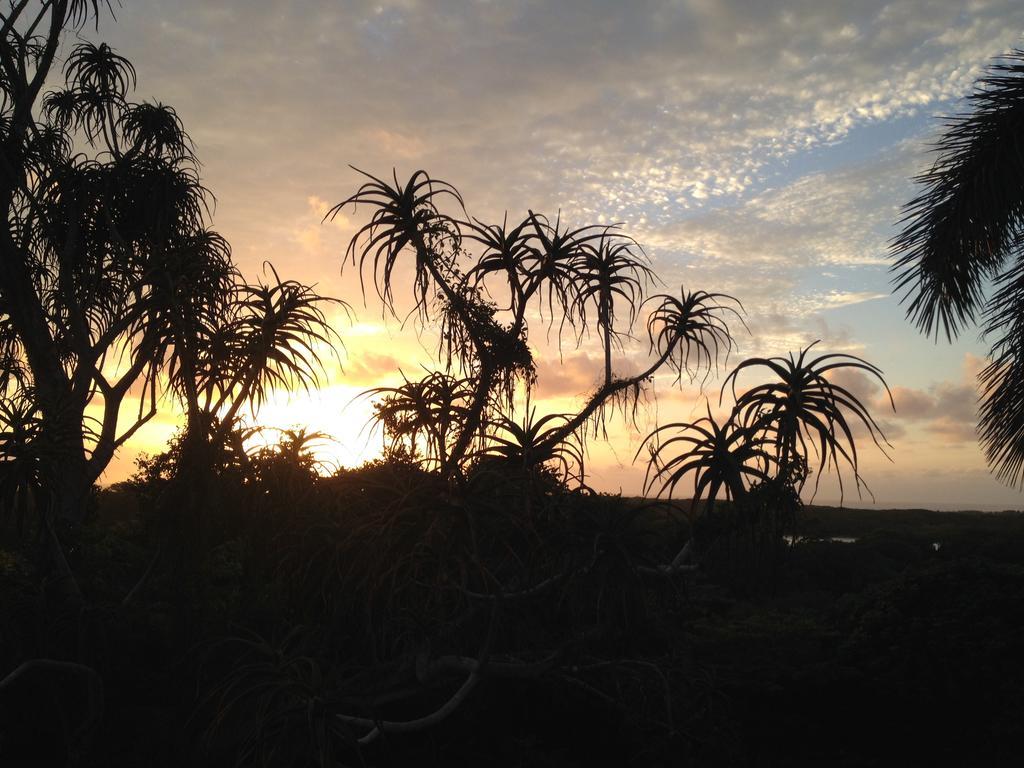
(221, 357)
(113, 288)
(104, 211)
(959, 257)
(272, 335)
(571, 277)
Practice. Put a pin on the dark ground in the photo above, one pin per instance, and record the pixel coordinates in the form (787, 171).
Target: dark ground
(902, 648)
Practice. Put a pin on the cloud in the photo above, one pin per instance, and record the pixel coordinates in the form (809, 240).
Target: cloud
(689, 121)
(368, 369)
(782, 333)
(947, 410)
(951, 430)
(570, 376)
(650, 108)
(957, 402)
(863, 386)
(913, 404)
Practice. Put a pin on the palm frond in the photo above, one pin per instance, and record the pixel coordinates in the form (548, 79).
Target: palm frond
(963, 226)
(1001, 417)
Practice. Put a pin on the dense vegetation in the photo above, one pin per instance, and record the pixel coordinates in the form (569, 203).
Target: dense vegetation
(880, 651)
(468, 598)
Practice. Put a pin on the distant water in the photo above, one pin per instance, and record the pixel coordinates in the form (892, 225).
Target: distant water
(937, 506)
(936, 545)
(834, 539)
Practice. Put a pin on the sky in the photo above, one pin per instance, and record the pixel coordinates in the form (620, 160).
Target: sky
(760, 148)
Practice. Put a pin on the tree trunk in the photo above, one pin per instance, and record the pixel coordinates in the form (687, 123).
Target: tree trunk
(61, 586)
(69, 482)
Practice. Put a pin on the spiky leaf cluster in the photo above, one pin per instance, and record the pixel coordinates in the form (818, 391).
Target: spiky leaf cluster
(425, 416)
(775, 431)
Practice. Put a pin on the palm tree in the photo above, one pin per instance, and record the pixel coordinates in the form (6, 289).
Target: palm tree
(959, 256)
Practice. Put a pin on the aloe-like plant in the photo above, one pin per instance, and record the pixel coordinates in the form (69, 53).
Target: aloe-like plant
(725, 457)
(553, 265)
(769, 439)
(427, 413)
(692, 332)
(526, 445)
(805, 412)
(403, 215)
(279, 333)
(611, 270)
(20, 477)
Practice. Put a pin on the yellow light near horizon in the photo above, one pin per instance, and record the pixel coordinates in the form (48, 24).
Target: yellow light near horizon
(337, 411)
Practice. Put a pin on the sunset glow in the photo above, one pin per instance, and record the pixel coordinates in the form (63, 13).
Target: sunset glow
(787, 203)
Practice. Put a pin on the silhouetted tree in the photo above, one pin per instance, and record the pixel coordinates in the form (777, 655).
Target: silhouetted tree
(114, 288)
(728, 457)
(573, 277)
(959, 256)
(470, 519)
(266, 335)
(105, 248)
